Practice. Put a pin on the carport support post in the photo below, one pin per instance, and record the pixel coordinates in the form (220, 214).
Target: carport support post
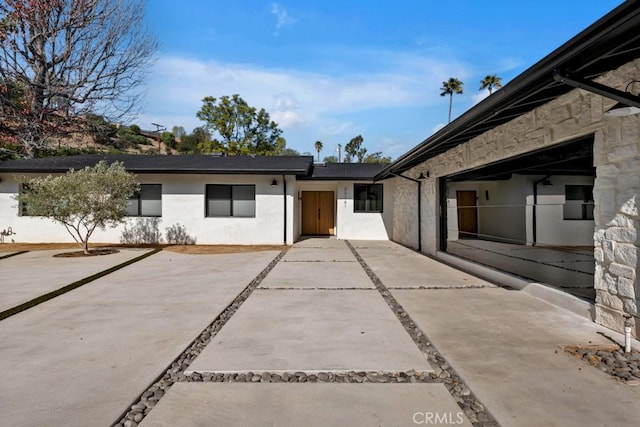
(419, 207)
(534, 225)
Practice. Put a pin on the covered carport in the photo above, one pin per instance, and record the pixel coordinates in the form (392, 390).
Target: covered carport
(531, 215)
(551, 144)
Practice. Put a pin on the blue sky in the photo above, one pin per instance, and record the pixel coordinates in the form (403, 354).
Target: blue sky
(331, 70)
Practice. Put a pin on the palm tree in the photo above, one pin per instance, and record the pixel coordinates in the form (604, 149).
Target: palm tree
(450, 87)
(318, 146)
(490, 82)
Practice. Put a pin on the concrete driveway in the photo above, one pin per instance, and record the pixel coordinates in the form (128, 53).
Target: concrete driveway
(329, 333)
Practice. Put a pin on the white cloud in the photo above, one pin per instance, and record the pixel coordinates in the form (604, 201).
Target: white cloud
(316, 105)
(282, 16)
(287, 119)
(477, 97)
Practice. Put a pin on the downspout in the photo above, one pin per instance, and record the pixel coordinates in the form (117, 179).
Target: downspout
(419, 207)
(284, 201)
(534, 226)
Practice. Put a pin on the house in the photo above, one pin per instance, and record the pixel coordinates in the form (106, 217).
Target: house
(548, 162)
(222, 200)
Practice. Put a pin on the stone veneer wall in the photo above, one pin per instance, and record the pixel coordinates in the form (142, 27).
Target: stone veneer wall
(616, 195)
(616, 189)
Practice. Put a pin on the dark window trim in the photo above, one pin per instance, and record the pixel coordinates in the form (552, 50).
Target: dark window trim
(231, 186)
(367, 208)
(137, 198)
(587, 204)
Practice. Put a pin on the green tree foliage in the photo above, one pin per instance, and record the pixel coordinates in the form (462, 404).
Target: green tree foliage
(318, 147)
(330, 159)
(64, 59)
(81, 200)
(194, 142)
(450, 87)
(490, 82)
(355, 150)
(102, 130)
(126, 137)
(289, 152)
(168, 139)
(377, 157)
(178, 132)
(242, 129)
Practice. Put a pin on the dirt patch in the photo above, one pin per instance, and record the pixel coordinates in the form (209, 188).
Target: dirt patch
(222, 249)
(92, 252)
(182, 249)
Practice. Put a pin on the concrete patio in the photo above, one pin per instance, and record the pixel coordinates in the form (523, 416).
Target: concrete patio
(87, 356)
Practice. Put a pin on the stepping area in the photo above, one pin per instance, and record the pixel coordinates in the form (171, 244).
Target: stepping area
(294, 405)
(298, 330)
(29, 275)
(81, 358)
(404, 268)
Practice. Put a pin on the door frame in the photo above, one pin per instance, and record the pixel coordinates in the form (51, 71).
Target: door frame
(465, 233)
(325, 201)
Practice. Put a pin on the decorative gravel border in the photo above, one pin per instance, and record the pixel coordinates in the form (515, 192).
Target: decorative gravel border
(411, 376)
(611, 360)
(468, 402)
(142, 405)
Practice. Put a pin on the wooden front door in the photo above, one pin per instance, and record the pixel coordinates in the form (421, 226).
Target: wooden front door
(318, 212)
(467, 213)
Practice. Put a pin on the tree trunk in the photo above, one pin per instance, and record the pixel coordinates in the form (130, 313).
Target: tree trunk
(450, 105)
(85, 246)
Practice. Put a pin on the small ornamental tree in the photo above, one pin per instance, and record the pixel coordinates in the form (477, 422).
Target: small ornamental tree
(81, 200)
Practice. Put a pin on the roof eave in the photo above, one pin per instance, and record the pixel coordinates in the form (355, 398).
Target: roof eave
(540, 73)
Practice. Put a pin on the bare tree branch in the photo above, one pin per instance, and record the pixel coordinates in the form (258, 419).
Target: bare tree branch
(64, 59)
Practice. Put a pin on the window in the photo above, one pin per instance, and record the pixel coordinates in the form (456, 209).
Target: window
(367, 197)
(231, 201)
(578, 202)
(147, 202)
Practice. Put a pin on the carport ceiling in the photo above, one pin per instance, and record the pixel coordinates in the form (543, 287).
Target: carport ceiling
(575, 158)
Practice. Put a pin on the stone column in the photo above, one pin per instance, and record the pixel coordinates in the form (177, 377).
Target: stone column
(617, 218)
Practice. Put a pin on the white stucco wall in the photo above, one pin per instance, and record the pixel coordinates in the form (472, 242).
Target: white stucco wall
(183, 202)
(552, 228)
(363, 225)
(507, 213)
(501, 216)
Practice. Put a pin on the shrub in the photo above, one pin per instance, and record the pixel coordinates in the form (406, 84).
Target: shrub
(177, 235)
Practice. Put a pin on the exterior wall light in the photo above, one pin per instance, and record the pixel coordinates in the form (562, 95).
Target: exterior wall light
(621, 109)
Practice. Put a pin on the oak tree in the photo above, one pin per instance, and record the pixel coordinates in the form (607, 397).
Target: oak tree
(242, 129)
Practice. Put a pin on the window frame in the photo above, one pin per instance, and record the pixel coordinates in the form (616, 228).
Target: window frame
(231, 200)
(367, 201)
(586, 203)
(137, 198)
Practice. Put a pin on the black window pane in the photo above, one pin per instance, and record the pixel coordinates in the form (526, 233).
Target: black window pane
(151, 200)
(219, 192)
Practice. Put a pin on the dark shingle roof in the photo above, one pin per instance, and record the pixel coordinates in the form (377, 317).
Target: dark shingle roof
(198, 164)
(345, 171)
